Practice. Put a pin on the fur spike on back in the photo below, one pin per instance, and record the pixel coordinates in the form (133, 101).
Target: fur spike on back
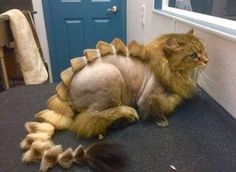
(137, 50)
(66, 76)
(105, 48)
(56, 104)
(120, 47)
(78, 63)
(92, 54)
(63, 92)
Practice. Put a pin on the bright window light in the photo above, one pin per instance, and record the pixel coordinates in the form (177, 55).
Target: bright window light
(183, 10)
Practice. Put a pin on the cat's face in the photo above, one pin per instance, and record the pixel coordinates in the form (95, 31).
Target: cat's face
(185, 53)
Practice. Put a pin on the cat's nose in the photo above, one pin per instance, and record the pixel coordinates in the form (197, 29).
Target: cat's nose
(203, 59)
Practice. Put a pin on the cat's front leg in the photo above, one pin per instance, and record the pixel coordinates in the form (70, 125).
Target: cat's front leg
(162, 121)
(165, 105)
(159, 107)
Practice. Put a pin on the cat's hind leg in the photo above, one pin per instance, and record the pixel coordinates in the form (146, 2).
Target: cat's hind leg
(93, 123)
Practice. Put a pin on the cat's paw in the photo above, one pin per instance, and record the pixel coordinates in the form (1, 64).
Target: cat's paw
(162, 122)
(129, 113)
(100, 137)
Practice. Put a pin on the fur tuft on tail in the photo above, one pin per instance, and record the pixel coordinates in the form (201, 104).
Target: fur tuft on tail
(105, 157)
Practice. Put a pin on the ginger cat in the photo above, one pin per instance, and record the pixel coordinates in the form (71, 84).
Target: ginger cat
(111, 83)
(117, 82)
(117, 87)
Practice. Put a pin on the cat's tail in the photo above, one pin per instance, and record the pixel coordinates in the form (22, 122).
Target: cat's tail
(105, 157)
(100, 157)
(38, 146)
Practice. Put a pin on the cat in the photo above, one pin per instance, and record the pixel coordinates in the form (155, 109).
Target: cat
(111, 83)
(115, 87)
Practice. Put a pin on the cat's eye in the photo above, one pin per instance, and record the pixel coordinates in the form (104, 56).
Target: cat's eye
(194, 55)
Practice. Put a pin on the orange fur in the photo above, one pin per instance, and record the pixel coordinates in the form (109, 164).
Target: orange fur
(104, 48)
(91, 124)
(91, 54)
(120, 47)
(137, 50)
(172, 54)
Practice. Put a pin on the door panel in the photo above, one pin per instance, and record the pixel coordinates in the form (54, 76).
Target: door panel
(101, 30)
(75, 41)
(74, 25)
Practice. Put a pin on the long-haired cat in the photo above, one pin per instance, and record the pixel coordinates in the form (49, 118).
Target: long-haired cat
(115, 87)
(115, 82)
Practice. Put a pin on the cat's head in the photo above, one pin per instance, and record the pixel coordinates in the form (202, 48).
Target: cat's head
(176, 60)
(184, 52)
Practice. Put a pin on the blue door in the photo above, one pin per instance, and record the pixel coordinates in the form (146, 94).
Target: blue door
(74, 25)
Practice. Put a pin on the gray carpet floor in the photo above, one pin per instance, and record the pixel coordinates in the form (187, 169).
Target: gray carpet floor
(201, 136)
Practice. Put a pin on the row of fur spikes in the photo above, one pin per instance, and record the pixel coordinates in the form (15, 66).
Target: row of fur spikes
(60, 110)
(101, 156)
(59, 116)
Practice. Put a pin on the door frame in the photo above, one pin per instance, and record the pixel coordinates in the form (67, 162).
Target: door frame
(48, 24)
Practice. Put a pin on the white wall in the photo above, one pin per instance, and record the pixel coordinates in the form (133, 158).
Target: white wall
(154, 24)
(219, 78)
(41, 31)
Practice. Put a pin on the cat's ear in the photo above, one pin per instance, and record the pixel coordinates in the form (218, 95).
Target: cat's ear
(190, 32)
(170, 46)
(171, 43)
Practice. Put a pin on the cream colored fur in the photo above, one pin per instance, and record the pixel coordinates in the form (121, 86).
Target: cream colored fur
(36, 152)
(35, 127)
(30, 138)
(57, 120)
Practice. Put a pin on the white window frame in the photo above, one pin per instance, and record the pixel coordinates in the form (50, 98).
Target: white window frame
(170, 11)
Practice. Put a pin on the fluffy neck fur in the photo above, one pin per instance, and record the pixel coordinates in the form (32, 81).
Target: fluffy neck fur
(178, 82)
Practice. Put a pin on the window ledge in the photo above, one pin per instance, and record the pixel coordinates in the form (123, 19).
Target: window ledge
(219, 31)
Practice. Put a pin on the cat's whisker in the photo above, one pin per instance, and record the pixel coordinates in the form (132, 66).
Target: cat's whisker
(197, 75)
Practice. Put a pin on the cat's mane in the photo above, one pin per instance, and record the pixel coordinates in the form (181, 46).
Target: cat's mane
(178, 82)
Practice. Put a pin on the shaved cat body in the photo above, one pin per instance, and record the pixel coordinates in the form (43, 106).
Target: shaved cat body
(113, 81)
(151, 86)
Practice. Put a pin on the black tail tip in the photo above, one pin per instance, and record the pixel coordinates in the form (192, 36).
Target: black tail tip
(106, 157)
